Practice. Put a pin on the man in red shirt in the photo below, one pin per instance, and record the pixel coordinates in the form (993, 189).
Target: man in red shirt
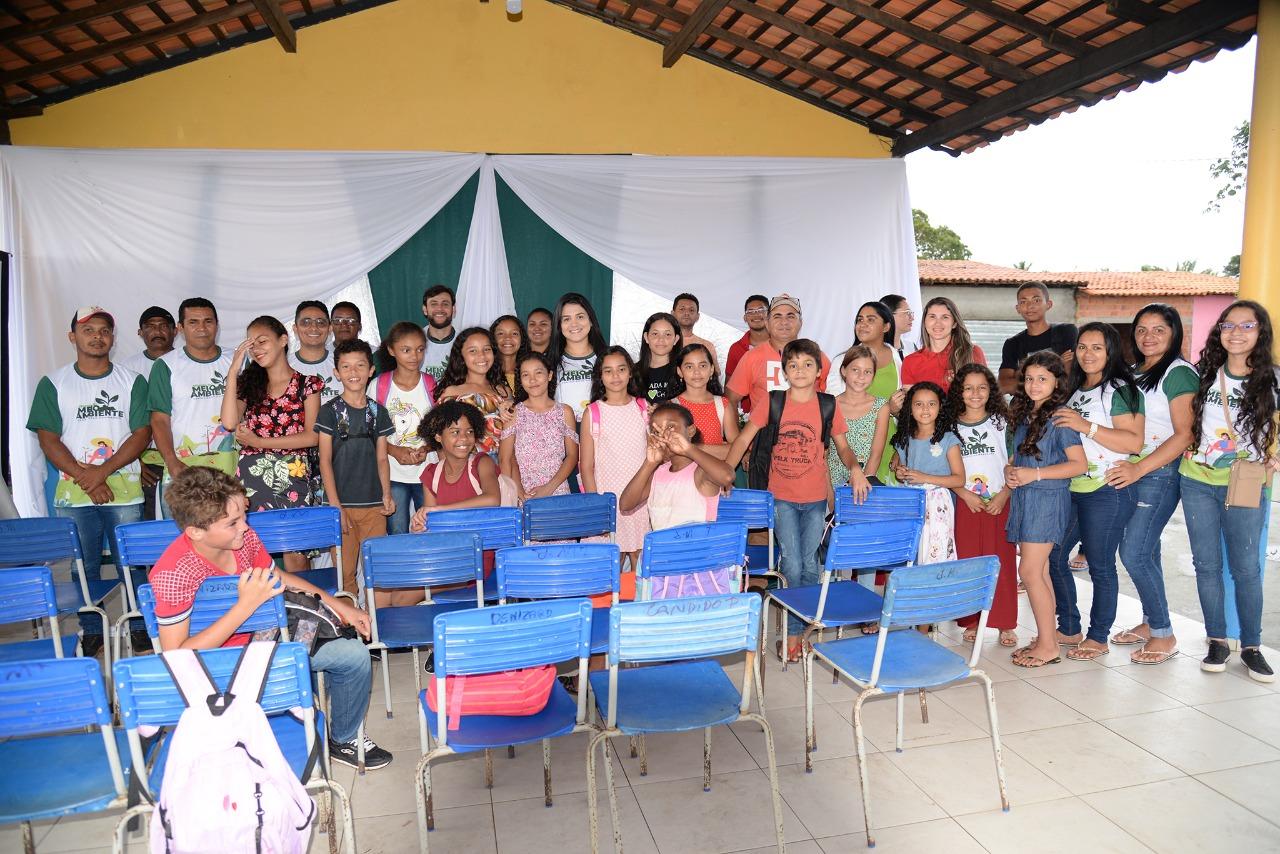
(209, 508)
(755, 311)
(760, 370)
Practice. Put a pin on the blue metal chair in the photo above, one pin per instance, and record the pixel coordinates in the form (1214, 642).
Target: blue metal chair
(754, 508)
(683, 687)
(138, 546)
(56, 741)
(49, 540)
(26, 593)
(686, 549)
(894, 662)
(568, 571)
(495, 640)
(570, 517)
(214, 598)
(148, 699)
(419, 561)
(301, 529)
(498, 527)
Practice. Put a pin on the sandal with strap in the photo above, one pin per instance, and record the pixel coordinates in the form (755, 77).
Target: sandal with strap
(1087, 653)
(1032, 661)
(1128, 638)
(1156, 656)
(970, 635)
(1008, 638)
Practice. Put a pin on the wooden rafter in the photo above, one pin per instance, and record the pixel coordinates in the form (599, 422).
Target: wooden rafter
(278, 22)
(40, 26)
(694, 26)
(1189, 25)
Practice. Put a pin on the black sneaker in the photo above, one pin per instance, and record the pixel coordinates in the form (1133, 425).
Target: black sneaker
(1259, 670)
(1216, 660)
(141, 643)
(348, 754)
(429, 662)
(91, 645)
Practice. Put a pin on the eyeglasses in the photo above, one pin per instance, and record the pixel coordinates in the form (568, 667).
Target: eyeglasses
(310, 322)
(1247, 326)
(756, 312)
(908, 312)
(345, 321)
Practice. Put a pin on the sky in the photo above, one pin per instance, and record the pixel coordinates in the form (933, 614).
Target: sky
(1113, 186)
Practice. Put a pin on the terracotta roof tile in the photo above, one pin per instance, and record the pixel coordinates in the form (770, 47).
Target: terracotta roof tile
(1097, 283)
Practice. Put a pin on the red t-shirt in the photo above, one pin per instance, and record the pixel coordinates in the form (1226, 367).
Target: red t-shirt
(927, 366)
(737, 350)
(446, 493)
(760, 372)
(176, 577)
(798, 471)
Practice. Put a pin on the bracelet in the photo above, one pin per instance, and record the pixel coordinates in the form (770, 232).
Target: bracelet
(1037, 475)
(1093, 429)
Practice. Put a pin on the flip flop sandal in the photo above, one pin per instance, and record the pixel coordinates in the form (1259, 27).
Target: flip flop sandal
(969, 636)
(1086, 653)
(795, 653)
(1008, 638)
(1127, 638)
(1079, 563)
(1022, 588)
(871, 629)
(1032, 661)
(1060, 642)
(1161, 656)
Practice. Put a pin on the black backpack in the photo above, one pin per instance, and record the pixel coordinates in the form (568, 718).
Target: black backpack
(762, 452)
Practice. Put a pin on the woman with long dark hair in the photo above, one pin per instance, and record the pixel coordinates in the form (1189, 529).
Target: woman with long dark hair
(576, 344)
(660, 343)
(1238, 376)
(1106, 409)
(947, 347)
(1168, 383)
(510, 340)
(474, 375)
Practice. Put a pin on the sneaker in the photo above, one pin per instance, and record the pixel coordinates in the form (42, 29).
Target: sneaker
(348, 754)
(1216, 660)
(429, 662)
(91, 645)
(1259, 670)
(141, 643)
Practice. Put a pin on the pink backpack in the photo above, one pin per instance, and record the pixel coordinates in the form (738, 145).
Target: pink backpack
(509, 496)
(594, 410)
(226, 785)
(382, 388)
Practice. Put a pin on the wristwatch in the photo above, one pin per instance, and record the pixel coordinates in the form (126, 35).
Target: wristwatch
(1093, 429)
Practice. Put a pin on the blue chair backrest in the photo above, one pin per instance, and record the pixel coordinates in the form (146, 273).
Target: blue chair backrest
(147, 695)
(693, 548)
(43, 540)
(874, 544)
(422, 560)
(298, 528)
(147, 607)
(570, 517)
(498, 527)
(883, 503)
(507, 637)
(140, 544)
(558, 572)
(51, 695)
(678, 629)
(218, 595)
(936, 592)
(26, 593)
(751, 507)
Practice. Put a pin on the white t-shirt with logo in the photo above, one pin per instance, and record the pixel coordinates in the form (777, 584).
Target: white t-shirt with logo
(985, 450)
(1100, 405)
(407, 409)
(323, 369)
(1179, 379)
(1211, 460)
(94, 416)
(437, 355)
(573, 382)
(190, 393)
(141, 363)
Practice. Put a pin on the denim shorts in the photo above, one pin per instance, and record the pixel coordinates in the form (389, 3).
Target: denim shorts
(1038, 515)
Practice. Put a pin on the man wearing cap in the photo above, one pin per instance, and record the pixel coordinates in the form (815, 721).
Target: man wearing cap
(157, 330)
(184, 394)
(90, 418)
(760, 369)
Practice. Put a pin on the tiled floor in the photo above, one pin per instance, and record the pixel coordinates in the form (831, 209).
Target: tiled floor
(1101, 756)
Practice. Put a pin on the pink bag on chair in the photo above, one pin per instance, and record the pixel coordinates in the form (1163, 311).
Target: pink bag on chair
(516, 693)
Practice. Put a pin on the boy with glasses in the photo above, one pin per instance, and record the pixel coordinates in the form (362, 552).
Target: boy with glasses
(755, 311)
(345, 321)
(311, 325)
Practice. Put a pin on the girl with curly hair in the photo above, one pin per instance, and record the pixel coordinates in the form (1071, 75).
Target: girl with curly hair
(927, 454)
(474, 375)
(1238, 375)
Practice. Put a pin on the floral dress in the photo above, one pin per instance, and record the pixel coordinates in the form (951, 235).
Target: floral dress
(539, 445)
(488, 406)
(279, 479)
(860, 434)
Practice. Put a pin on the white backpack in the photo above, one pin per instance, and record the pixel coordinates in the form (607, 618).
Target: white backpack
(226, 785)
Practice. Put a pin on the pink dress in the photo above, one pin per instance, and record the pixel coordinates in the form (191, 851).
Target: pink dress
(620, 439)
(539, 445)
(674, 500)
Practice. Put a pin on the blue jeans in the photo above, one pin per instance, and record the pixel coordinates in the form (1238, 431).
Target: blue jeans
(93, 522)
(1098, 520)
(1210, 524)
(1157, 496)
(348, 675)
(798, 529)
(403, 493)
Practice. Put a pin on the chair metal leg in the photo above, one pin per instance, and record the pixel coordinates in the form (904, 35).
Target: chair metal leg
(861, 747)
(644, 757)
(511, 751)
(546, 769)
(706, 759)
(121, 830)
(28, 841)
(781, 634)
(835, 674)
(900, 702)
(635, 748)
(348, 822)
(591, 790)
(924, 707)
(995, 738)
(810, 737)
(613, 797)
(773, 777)
(422, 788)
(488, 768)
(386, 678)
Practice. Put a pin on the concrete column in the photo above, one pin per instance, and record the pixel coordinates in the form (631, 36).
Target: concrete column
(1260, 257)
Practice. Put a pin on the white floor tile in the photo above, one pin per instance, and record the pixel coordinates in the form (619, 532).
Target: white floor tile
(835, 735)
(1251, 786)
(521, 777)
(1185, 815)
(1089, 758)
(1099, 693)
(961, 777)
(529, 827)
(940, 835)
(1255, 716)
(1056, 827)
(829, 800)
(879, 717)
(461, 830)
(678, 755)
(1182, 679)
(77, 832)
(1020, 706)
(807, 846)
(1192, 741)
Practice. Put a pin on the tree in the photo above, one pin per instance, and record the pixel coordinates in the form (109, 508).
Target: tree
(1022, 265)
(1232, 267)
(937, 242)
(1151, 268)
(1232, 168)
(1185, 266)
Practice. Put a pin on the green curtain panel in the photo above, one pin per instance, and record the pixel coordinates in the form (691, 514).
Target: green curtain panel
(432, 256)
(544, 265)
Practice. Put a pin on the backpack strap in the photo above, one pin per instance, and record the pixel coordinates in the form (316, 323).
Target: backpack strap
(250, 676)
(719, 402)
(429, 386)
(593, 411)
(827, 411)
(192, 678)
(777, 402)
(383, 388)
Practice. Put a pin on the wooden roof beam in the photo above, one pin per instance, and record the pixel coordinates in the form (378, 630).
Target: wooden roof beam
(1188, 25)
(278, 22)
(697, 23)
(93, 11)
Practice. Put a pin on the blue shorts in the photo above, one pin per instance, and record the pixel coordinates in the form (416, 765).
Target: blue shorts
(1038, 515)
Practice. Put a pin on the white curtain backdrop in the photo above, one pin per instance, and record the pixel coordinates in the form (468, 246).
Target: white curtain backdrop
(254, 231)
(484, 285)
(833, 233)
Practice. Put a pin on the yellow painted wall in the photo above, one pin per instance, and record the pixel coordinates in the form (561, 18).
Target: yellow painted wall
(453, 75)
